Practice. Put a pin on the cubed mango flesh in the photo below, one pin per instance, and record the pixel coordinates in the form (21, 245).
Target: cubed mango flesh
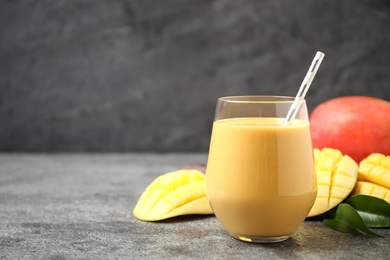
(376, 169)
(372, 189)
(175, 193)
(336, 178)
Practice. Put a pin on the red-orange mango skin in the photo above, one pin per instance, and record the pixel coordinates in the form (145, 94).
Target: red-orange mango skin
(355, 125)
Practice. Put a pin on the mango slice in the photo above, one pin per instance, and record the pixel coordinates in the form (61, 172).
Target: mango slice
(376, 169)
(372, 189)
(173, 194)
(336, 178)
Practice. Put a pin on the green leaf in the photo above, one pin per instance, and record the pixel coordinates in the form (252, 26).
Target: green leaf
(346, 219)
(375, 212)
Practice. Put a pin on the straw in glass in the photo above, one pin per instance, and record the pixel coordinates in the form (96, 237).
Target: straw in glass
(304, 87)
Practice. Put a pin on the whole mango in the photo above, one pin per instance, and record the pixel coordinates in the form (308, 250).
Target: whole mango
(356, 125)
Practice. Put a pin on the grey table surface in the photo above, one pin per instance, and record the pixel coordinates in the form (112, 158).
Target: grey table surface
(79, 206)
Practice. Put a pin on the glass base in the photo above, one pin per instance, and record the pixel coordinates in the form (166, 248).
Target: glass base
(260, 239)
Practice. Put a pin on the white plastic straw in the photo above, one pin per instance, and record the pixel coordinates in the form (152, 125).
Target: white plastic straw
(304, 87)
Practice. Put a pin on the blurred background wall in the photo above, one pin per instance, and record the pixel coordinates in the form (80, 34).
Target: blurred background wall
(144, 75)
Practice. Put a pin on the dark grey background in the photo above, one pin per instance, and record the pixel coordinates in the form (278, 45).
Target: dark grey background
(144, 75)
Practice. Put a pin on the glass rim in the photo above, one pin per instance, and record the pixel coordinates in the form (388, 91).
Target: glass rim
(258, 99)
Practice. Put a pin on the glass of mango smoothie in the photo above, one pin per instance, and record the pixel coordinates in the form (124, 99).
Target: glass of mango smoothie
(260, 176)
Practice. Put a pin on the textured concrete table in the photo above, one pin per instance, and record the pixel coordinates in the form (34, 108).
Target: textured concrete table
(72, 206)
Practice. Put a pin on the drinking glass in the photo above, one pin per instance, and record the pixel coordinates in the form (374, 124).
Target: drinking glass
(260, 176)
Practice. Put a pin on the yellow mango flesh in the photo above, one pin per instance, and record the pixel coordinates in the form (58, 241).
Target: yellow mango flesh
(173, 194)
(336, 178)
(372, 189)
(376, 169)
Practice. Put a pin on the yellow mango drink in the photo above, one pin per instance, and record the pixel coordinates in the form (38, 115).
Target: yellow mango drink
(260, 176)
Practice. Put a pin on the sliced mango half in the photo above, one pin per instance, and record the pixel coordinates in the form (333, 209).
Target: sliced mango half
(173, 194)
(336, 178)
(376, 169)
(372, 189)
